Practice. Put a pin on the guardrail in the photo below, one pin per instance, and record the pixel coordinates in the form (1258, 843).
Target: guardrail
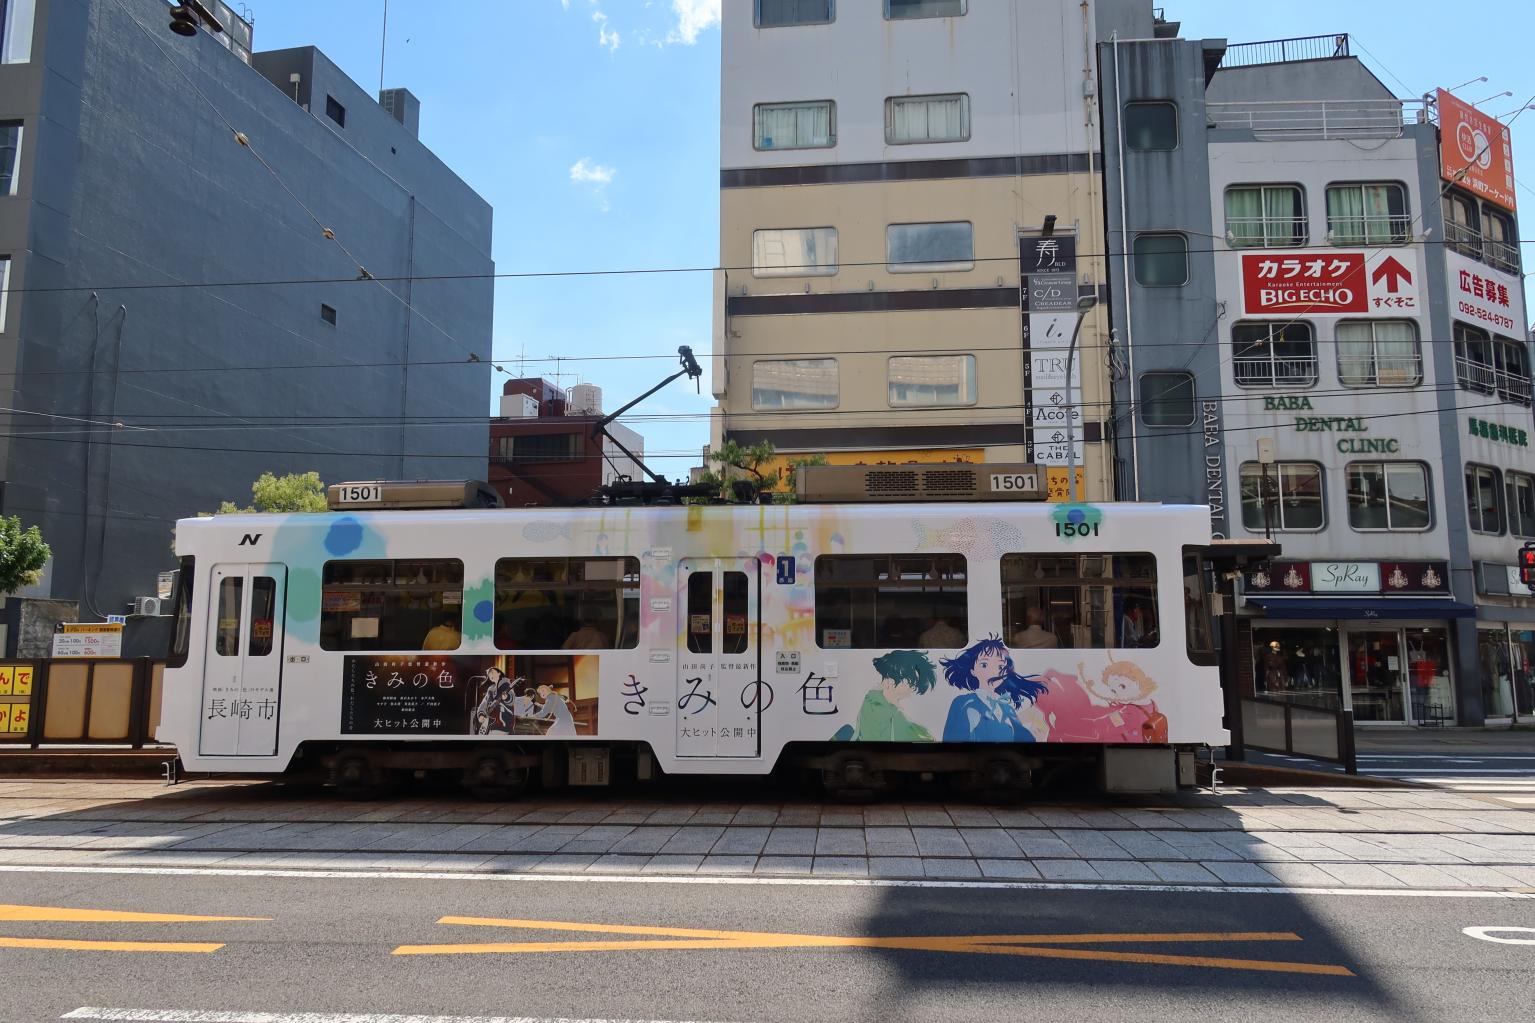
(1283, 51)
(1275, 726)
(79, 702)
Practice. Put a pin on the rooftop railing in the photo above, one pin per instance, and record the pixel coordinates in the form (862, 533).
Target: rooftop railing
(1283, 51)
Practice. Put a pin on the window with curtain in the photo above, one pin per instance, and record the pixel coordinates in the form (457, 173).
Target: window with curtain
(1511, 361)
(1484, 499)
(1462, 226)
(794, 252)
(791, 384)
(1151, 127)
(1521, 505)
(810, 125)
(895, 9)
(1167, 399)
(779, 13)
(914, 119)
(1283, 497)
(929, 248)
(1161, 260)
(1260, 216)
(1368, 214)
(10, 157)
(1379, 353)
(917, 380)
(1500, 242)
(16, 19)
(1390, 496)
(1273, 354)
(1473, 359)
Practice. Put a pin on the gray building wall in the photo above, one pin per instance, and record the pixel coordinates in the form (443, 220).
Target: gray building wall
(136, 202)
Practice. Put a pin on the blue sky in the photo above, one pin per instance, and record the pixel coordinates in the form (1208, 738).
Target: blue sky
(592, 127)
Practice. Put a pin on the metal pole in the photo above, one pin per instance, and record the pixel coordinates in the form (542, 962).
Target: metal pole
(1071, 441)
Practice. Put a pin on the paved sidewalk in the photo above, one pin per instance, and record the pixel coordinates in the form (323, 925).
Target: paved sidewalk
(1398, 839)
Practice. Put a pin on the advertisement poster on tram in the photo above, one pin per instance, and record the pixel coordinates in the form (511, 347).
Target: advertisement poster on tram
(426, 695)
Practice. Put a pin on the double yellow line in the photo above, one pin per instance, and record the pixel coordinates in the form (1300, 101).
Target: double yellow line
(1042, 946)
(51, 915)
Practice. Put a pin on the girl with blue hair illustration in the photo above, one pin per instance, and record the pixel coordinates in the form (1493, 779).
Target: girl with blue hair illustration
(988, 709)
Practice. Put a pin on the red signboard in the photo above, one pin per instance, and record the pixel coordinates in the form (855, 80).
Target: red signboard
(1319, 284)
(1476, 151)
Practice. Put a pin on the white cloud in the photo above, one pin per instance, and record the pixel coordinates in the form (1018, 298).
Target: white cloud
(586, 172)
(693, 16)
(606, 37)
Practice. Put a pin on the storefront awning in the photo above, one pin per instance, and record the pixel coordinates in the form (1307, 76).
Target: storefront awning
(1377, 608)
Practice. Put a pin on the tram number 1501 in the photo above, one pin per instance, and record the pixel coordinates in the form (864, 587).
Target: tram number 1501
(1074, 530)
(1014, 483)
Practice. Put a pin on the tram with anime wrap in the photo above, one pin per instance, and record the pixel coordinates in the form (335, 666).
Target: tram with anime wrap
(857, 633)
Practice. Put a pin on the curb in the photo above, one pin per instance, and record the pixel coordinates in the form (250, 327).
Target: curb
(1265, 776)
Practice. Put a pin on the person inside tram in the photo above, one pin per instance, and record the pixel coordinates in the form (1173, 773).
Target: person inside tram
(942, 635)
(588, 636)
(1035, 636)
(444, 635)
(1135, 630)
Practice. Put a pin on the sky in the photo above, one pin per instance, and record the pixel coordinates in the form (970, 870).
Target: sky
(592, 128)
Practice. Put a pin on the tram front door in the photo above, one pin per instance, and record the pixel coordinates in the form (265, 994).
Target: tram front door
(242, 673)
(719, 668)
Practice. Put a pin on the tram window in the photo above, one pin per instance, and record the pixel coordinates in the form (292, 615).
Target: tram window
(1196, 610)
(181, 642)
(885, 601)
(567, 603)
(392, 605)
(263, 606)
(1081, 601)
(701, 613)
(737, 613)
(227, 639)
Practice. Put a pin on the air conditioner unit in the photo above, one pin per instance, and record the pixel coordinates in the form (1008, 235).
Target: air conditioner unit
(144, 606)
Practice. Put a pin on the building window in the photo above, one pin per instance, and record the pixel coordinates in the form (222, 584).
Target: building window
(913, 119)
(781, 13)
(392, 605)
(1274, 354)
(918, 380)
(1389, 496)
(335, 111)
(794, 252)
(1490, 364)
(1462, 227)
(795, 384)
(529, 448)
(1368, 214)
(890, 601)
(810, 125)
(1266, 216)
(1161, 260)
(1167, 399)
(1481, 231)
(16, 18)
(1521, 505)
(1500, 241)
(1080, 601)
(896, 9)
(1484, 499)
(1151, 127)
(930, 248)
(10, 157)
(5, 288)
(328, 313)
(1283, 497)
(1379, 353)
(568, 603)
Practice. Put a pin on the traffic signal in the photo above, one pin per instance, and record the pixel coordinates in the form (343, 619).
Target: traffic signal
(1527, 566)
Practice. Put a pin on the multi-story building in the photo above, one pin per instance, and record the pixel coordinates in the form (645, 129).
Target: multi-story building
(881, 208)
(1323, 314)
(546, 448)
(153, 369)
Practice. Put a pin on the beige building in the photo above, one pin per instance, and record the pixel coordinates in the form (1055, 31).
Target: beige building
(884, 162)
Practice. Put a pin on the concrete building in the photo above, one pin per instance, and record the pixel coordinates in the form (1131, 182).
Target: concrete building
(135, 234)
(545, 449)
(881, 207)
(1326, 340)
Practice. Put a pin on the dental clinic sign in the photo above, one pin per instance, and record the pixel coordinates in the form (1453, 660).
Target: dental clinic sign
(1314, 283)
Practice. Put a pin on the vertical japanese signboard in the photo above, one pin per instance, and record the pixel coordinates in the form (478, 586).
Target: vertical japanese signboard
(15, 701)
(1476, 151)
(1048, 269)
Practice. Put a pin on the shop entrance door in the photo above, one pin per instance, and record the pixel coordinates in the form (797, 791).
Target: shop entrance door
(1376, 675)
(1401, 675)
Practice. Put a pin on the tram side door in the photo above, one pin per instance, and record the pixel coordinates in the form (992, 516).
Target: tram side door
(720, 690)
(242, 677)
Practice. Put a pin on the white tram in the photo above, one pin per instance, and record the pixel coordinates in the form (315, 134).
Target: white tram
(980, 639)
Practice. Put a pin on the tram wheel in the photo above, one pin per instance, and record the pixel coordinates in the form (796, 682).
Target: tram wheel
(490, 780)
(357, 779)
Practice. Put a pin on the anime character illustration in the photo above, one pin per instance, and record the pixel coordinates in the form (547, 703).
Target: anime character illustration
(902, 674)
(997, 704)
(555, 711)
(1115, 707)
(496, 713)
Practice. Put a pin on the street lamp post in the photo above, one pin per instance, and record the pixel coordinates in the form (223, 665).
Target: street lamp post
(1085, 304)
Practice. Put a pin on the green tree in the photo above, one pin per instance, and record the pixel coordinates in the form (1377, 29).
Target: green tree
(22, 555)
(295, 492)
(735, 463)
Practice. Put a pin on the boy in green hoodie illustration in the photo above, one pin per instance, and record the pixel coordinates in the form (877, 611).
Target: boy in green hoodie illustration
(902, 674)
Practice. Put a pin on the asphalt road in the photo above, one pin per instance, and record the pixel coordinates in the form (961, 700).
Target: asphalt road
(793, 951)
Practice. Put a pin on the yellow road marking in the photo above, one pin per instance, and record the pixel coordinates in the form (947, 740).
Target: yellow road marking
(60, 915)
(108, 946)
(1023, 945)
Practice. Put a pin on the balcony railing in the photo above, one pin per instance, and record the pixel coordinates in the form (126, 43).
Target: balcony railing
(1369, 230)
(1380, 370)
(1316, 119)
(1283, 51)
(1484, 379)
(1270, 232)
(1266, 371)
(1468, 241)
